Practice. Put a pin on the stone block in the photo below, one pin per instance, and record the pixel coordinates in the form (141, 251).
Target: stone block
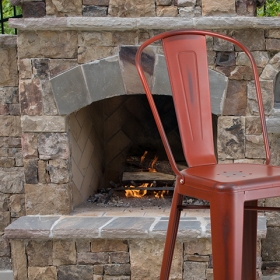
(64, 8)
(59, 66)
(147, 266)
(87, 54)
(270, 251)
(64, 252)
(58, 170)
(273, 44)
(9, 73)
(56, 199)
(4, 202)
(25, 68)
(194, 270)
(47, 44)
(167, 11)
(218, 7)
(273, 33)
(254, 146)
(5, 264)
(266, 89)
(42, 273)
(163, 2)
(5, 250)
(121, 8)
(253, 126)
(96, 2)
(231, 138)
(7, 162)
(30, 95)
(235, 103)
(29, 145)
(222, 45)
(272, 68)
(119, 257)
(40, 68)
(17, 205)
(117, 269)
(185, 3)
(12, 180)
(82, 246)
(95, 11)
(35, 9)
(253, 39)
(9, 95)
(5, 220)
(19, 260)
(93, 258)
(261, 58)
(188, 12)
(75, 272)
(43, 175)
(44, 123)
(107, 245)
(10, 126)
(198, 246)
(246, 8)
(53, 145)
(31, 171)
(39, 253)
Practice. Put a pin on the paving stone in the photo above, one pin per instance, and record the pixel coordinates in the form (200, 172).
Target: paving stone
(31, 227)
(80, 227)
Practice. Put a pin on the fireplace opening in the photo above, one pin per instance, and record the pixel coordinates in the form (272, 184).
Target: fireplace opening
(108, 140)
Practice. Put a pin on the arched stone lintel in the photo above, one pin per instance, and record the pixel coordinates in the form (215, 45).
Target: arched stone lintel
(117, 75)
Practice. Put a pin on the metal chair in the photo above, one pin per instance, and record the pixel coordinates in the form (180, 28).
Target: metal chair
(233, 190)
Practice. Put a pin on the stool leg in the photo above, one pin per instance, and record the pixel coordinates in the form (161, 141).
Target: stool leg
(173, 224)
(227, 212)
(250, 242)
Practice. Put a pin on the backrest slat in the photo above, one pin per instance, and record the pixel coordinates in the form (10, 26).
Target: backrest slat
(186, 57)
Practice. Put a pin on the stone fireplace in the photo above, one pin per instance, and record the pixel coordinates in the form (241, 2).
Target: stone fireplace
(73, 108)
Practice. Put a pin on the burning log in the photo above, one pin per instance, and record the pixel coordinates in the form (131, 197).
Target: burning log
(147, 176)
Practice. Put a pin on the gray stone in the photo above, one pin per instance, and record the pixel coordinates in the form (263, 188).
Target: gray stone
(9, 73)
(103, 79)
(70, 91)
(5, 264)
(75, 272)
(96, 2)
(53, 145)
(4, 202)
(93, 258)
(49, 105)
(58, 170)
(261, 58)
(64, 8)
(95, 11)
(5, 220)
(270, 246)
(40, 68)
(31, 227)
(12, 180)
(64, 252)
(163, 2)
(17, 205)
(254, 146)
(10, 126)
(35, 9)
(253, 39)
(9, 95)
(117, 269)
(49, 272)
(29, 145)
(185, 3)
(31, 171)
(273, 44)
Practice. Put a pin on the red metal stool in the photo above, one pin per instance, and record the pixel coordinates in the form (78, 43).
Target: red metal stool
(233, 190)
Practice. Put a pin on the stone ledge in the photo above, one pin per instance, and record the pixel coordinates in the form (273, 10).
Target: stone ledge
(67, 227)
(163, 23)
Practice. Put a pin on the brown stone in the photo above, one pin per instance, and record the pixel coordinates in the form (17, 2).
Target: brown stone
(199, 246)
(87, 54)
(7, 162)
(4, 202)
(39, 253)
(241, 73)
(107, 245)
(235, 103)
(273, 33)
(47, 44)
(5, 220)
(273, 44)
(58, 66)
(82, 246)
(43, 175)
(42, 273)
(19, 260)
(119, 257)
(246, 8)
(132, 8)
(75, 272)
(30, 94)
(261, 58)
(218, 7)
(253, 126)
(56, 199)
(254, 146)
(35, 9)
(167, 11)
(9, 95)
(40, 68)
(64, 252)
(231, 137)
(8, 62)
(25, 68)
(270, 244)
(17, 205)
(163, 2)
(185, 3)
(147, 266)
(64, 7)
(53, 145)
(93, 258)
(31, 171)
(29, 145)
(4, 247)
(10, 126)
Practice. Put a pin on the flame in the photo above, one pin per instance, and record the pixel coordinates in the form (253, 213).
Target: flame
(145, 186)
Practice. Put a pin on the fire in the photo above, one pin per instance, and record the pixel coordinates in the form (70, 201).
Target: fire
(139, 192)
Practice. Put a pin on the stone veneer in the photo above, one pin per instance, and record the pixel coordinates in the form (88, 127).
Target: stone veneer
(41, 162)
